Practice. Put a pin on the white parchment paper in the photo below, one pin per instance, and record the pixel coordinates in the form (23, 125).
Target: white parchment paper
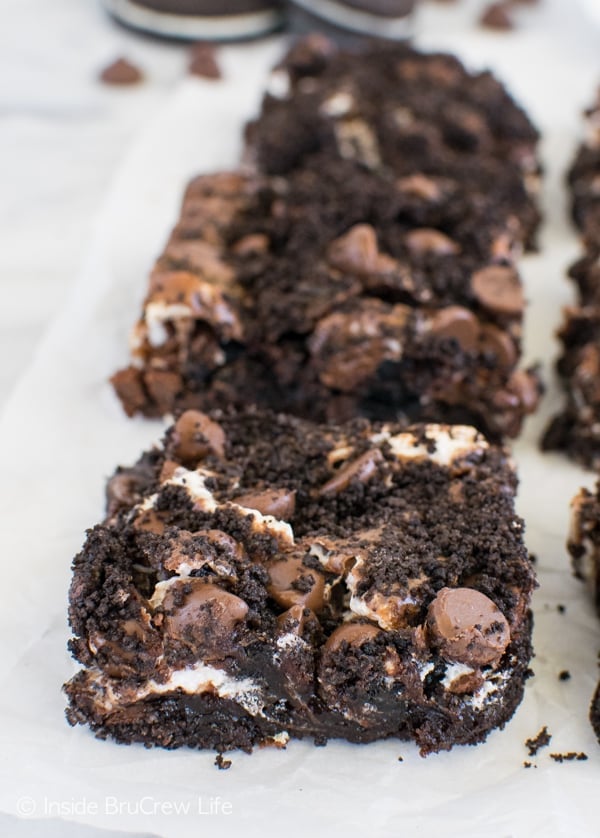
(63, 432)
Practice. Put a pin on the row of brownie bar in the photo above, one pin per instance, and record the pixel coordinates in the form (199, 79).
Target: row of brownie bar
(577, 428)
(259, 576)
(363, 260)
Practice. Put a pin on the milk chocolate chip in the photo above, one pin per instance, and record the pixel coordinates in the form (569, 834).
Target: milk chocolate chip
(458, 323)
(122, 490)
(427, 240)
(465, 626)
(202, 614)
(195, 436)
(499, 343)
(525, 385)
(280, 503)
(353, 633)
(292, 583)
(498, 288)
(361, 469)
(357, 252)
(121, 72)
(298, 620)
(420, 186)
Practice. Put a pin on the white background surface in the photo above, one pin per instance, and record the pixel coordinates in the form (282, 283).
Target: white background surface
(63, 139)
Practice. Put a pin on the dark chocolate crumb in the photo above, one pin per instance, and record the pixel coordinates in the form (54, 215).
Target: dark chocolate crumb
(570, 756)
(222, 764)
(561, 608)
(400, 759)
(565, 675)
(542, 739)
(527, 764)
(121, 72)
(533, 558)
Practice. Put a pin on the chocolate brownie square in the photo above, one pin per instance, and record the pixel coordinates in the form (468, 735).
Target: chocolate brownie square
(259, 577)
(334, 293)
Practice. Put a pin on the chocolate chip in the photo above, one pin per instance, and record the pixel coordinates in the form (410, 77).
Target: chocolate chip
(169, 467)
(280, 503)
(203, 62)
(525, 385)
(498, 343)
(427, 240)
(121, 72)
(362, 470)
(498, 288)
(202, 614)
(458, 323)
(497, 16)
(122, 491)
(420, 186)
(298, 620)
(465, 626)
(357, 252)
(354, 634)
(196, 435)
(149, 520)
(292, 583)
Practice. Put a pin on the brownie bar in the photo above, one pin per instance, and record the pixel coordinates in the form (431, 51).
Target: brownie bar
(584, 547)
(584, 179)
(576, 429)
(259, 577)
(399, 111)
(334, 293)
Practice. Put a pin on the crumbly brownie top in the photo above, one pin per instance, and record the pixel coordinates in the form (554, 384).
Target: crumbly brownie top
(353, 522)
(401, 111)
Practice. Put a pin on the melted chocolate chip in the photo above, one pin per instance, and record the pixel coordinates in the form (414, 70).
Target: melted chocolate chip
(195, 436)
(467, 627)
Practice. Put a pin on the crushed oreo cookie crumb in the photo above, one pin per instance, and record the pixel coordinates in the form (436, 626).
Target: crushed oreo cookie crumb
(570, 756)
(542, 739)
(565, 675)
(221, 763)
